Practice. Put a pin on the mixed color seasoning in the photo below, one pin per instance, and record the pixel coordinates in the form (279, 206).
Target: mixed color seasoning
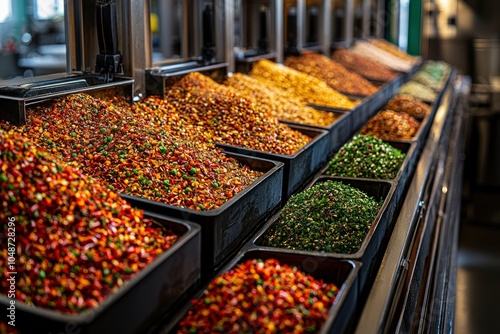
(225, 116)
(410, 105)
(259, 296)
(364, 66)
(279, 103)
(334, 74)
(138, 150)
(367, 157)
(328, 217)
(302, 86)
(391, 125)
(77, 241)
(417, 90)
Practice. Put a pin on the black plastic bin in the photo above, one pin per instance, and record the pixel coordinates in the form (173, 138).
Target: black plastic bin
(342, 273)
(158, 288)
(338, 132)
(371, 250)
(300, 167)
(225, 228)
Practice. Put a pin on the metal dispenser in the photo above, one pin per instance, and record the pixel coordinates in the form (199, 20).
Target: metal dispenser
(307, 26)
(255, 29)
(198, 32)
(94, 60)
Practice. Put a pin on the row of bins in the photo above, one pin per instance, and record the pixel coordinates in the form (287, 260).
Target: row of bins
(211, 241)
(352, 273)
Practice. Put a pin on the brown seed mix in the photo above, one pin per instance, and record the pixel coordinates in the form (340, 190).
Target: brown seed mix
(363, 65)
(391, 125)
(230, 118)
(408, 104)
(331, 72)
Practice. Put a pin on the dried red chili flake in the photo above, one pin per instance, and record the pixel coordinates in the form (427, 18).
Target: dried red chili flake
(227, 117)
(261, 297)
(149, 151)
(391, 125)
(76, 241)
(363, 66)
(410, 105)
(333, 73)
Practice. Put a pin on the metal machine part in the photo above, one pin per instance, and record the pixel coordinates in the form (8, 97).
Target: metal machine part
(109, 59)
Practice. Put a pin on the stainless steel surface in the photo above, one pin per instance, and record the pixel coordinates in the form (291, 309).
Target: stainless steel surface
(221, 32)
(139, 42)
(379, 303)
(278, 16)
(349, 22)
(365, 26)
(326, 35)
(229, 35)
(380, 19)
(486, 59)
(74, 36)
(301, 21)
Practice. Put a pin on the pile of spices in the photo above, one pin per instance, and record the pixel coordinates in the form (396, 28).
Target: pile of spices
(227, 117)
(76, 240)
(368, 157)
(302, 86)
(334, 74)
(427, 80)
(392, 125)
(136, 151)
(392, 49)
(328, 217)
(417, 90)
(438, 70)
(261, 297)
(279, 103)
(410, 105)
(363, 66)
(371, 51)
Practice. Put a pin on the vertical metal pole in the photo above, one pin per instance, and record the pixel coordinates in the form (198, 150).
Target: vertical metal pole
(139, 43)
(326, 27)
(166, 27)
(366, 18)
(229, 34)
(221, 32)
(74, 35)
(349, 22)
(278, 27)
(301, 19)
(380, 18)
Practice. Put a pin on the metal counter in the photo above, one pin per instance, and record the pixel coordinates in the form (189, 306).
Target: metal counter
(414, 290)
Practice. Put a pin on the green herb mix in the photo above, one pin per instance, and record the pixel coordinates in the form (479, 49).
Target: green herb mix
(366, 156)
(330, 216)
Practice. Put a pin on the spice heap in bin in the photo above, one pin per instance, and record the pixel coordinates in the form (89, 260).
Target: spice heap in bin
(77, 240)
(261, 296)
(136, 151)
